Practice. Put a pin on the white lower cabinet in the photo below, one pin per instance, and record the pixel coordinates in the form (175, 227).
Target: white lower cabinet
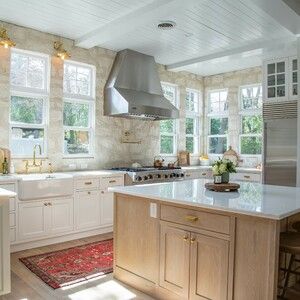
(34, 219)
(38, 219)
(107, 207)
(87, 209)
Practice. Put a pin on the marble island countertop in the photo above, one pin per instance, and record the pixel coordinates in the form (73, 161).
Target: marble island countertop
(254, 199)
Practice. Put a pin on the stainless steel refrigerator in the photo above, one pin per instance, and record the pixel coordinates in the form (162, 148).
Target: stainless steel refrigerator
(280, 144)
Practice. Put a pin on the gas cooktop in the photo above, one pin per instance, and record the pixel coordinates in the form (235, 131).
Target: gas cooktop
(142, 169)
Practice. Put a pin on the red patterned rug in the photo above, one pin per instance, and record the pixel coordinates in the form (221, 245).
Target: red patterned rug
(73, 265)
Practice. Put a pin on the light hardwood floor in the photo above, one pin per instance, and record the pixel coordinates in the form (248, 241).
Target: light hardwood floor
(27, 286)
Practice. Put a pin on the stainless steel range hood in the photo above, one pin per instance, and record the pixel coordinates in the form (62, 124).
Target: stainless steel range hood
(133, 89)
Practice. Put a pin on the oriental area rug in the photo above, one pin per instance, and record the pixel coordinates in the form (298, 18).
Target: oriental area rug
(73, 265)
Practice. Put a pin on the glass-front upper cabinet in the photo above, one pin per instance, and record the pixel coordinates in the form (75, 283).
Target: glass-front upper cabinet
(275, 77)
(293, 66)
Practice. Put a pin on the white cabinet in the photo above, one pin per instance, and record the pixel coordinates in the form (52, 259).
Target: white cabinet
(251, 177)
(33, 220)
(280, 79)
(38, 219)
(198, 173)
(293, 79)
(107, 207)
(276, 80)
(87, 209)
(61, 215)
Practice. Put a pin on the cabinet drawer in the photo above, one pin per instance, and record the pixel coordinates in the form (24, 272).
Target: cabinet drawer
(12, 220)
(89, 183)
(109, 181)
(12, 204)
(12, 235)
(246, 177)
(202, 220)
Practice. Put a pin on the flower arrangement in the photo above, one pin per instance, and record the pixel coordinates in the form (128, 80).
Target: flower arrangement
(222, 168)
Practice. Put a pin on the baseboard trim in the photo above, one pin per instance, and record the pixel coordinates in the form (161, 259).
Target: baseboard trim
(54, 240)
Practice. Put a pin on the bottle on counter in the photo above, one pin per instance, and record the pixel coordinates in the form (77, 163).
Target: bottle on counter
(5, 166)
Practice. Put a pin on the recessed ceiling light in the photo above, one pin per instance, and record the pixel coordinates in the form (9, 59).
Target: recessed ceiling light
(166, 25)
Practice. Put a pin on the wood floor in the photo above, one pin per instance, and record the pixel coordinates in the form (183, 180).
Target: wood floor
(27, 286)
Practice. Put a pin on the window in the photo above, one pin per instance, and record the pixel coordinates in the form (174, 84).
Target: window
(218, 121)
(168, 128)
(251, 120)
(29, 88)
(192, 121)
(78, 110)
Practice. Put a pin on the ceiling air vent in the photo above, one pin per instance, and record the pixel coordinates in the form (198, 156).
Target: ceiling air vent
(166, 25)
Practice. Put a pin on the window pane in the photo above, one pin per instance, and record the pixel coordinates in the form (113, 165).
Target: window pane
(169, 92)
(252, 124)
(167, 126)
(217, 145)
(251, 97)
(190, 144)
(191, 101)
(76, 142)
(218, 102)
(77, 80)
(189, 126)
(26, 110)
(76, 114)
(166, 144)
(28, 71)
(24, 139)
(218, 126)
(251, 145)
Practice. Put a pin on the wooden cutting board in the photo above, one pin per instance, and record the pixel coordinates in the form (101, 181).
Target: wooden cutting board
(4, 153)
(222, 187)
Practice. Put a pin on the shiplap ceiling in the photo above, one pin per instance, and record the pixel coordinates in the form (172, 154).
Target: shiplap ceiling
(211, 36)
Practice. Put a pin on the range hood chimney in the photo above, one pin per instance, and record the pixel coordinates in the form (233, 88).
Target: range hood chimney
(133, 89)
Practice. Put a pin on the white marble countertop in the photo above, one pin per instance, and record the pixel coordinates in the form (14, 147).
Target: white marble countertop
(254, 199)
(238, 169)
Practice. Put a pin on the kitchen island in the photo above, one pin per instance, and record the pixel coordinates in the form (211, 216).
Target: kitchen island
(179, 241)
(4, 241)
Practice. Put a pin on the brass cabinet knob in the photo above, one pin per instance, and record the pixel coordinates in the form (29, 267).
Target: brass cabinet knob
(49, 203)
(88, 183)
(89, 193)
(45, 204)
(193, 239)
(191, 218)
(247, 176)
(102, 192)
(185, 238)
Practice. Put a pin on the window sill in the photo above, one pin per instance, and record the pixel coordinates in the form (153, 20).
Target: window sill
(78, 156)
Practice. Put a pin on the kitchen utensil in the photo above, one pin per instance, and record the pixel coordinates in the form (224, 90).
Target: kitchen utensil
(158, 161)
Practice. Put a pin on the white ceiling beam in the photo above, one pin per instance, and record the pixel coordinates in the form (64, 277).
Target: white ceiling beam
(232, 51)
(280, 12)
(128, 23)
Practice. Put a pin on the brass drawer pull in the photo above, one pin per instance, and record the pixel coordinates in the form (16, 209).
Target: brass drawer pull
(187, 175)
(191, 218)
(247, 176)
(112, 181)
(185, 238)
(45, 204)
(88, 183)
(203, 174)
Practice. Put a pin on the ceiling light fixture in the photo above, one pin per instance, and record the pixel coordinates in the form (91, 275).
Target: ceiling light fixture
(60, 51)
(166, 25)
(5, 41)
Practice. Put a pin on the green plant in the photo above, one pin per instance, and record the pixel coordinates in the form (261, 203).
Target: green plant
(222, 166)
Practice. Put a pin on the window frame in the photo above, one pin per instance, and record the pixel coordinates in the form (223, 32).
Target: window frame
(219, 115)
(248, 112)
(176, 125)
(91, 101)
(195, 115)
(19, 91)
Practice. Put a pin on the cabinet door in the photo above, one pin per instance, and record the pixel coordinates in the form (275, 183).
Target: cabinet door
(209, 268)
(87, 209)
(61, 215)
(33, 219)
(293, 80)
(107, 207)
(275, 80)
(174, 260)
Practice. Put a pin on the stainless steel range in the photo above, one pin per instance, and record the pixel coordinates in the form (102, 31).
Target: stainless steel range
(151, 175)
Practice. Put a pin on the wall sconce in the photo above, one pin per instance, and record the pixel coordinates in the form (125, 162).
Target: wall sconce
(5, 41)
(60, 51)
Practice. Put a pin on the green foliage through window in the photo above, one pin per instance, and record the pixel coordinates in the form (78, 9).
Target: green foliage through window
(218, 126)
(76, 114)
(252, 124)
(251, 145)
